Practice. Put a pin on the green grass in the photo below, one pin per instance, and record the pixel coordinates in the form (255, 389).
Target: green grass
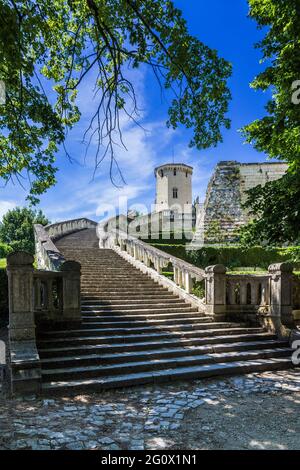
(250, 270)
(2, 263)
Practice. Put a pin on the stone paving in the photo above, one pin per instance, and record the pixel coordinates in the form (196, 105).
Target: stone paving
(152, 417)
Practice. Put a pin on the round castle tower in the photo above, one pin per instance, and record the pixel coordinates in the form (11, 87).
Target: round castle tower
(173, 187)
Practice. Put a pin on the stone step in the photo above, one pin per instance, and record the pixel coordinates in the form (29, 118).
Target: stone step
(117, 323)
(140, 309)
(133, 330)
(117, 298)
(94, 371)
(112, 283)
(154, 287)
(159, 353)
(166, 375)
(123, 348)
(108, 277)
(117, 317)
(136, 338)
(104, 293)
(136, 301)
(178, 305)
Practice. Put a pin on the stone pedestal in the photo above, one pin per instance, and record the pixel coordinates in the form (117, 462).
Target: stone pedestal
(71, 292)
(281, 307)
(215, 290)
(24, 357)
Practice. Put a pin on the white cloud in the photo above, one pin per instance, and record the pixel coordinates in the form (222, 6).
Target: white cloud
(6, 206)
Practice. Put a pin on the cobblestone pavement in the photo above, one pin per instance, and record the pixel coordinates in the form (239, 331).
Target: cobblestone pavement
(255, 411)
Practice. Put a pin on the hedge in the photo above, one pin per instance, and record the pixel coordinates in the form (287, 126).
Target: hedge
(3, 298)
(234, 256)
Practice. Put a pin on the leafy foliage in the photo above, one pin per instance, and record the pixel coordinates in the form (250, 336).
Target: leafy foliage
(16, 229)
(276, 206)
(278, 133)
(64, 42)
(4, 250)
(276, 212)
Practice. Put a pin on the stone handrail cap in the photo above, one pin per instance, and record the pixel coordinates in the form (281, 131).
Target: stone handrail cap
(282, 267)
(70, 266)
(20, 258)
(217, 268)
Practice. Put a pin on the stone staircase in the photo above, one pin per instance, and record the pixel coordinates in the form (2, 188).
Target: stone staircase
(134, 331)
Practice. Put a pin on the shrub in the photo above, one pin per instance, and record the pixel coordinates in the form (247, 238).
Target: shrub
(234, 256)
(4, 250)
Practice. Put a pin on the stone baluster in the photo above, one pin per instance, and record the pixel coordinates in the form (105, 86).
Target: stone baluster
(265, 293)
(281, 296)
(189, 282)
(49, 297)
(243, 292)
(24, 357)
(231, 292)
(215, 290)
(176, 278)
(254, 292)
(182, 279)
(157, 265)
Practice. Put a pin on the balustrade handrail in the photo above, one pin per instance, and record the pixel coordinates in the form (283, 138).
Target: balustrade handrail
(75, 224)
(194, 271)
(48, 255)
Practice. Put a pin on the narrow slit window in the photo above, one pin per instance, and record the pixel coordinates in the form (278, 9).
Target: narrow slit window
(175, 193)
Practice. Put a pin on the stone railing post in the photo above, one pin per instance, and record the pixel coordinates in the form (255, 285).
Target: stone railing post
(189, 282)
(24, 357)
(71, 291)
(215, 290)
(281, 302)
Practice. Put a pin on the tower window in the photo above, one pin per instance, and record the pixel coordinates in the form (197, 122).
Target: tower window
(175, 193)
(186, 175)
(162, 173)
(174, 171)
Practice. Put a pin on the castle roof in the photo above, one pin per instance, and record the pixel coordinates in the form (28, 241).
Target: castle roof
(173, 165)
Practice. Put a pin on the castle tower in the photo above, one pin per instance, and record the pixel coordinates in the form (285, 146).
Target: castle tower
(174, 187)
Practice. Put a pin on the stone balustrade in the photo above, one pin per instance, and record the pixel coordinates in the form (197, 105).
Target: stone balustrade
(247, 296)
(60, 229)
(143, 255)
(267, 299)
(48, 255)
(37, 297)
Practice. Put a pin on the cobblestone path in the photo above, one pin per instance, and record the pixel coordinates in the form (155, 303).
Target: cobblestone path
(255, 411)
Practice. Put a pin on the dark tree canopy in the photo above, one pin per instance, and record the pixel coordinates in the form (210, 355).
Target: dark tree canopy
(277, 206)
(66, 41)
(273, 220)
(16, 229)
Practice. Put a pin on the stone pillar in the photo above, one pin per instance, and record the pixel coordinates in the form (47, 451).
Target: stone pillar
(71, 291)
(281, 302)
(24, 357)
(175, 275)
(158, 266)
(188, 283)
(215, 290)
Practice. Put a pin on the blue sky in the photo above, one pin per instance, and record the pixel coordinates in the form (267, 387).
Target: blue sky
(221, 24)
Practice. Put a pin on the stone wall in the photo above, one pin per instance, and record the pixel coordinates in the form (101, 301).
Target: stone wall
(223, 214)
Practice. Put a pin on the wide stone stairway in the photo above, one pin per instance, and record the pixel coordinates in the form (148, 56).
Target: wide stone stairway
(134, 331)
